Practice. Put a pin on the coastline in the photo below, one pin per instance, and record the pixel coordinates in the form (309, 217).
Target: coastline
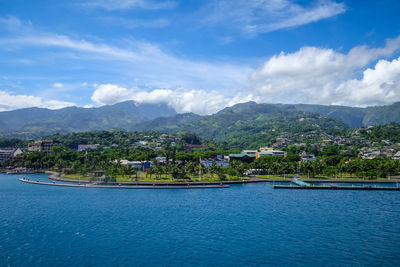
(253, 179)
(57, 177)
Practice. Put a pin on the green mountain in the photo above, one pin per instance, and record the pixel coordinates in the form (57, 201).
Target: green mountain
(247, 120)
(246, 125)
(356, 117)
(31, 122)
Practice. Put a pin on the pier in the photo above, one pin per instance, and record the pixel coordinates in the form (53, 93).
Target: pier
(334, 187)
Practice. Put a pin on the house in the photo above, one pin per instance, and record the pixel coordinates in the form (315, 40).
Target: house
(87, 147)
(161, 160)
(143, 165)
(306, 158)
(371, 154)
(396, 156)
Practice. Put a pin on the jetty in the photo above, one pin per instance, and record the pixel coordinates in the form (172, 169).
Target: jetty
(119, 186)
(333, 187)
(298, 184)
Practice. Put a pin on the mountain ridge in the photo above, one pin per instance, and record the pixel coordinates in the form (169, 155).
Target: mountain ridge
(131, 115)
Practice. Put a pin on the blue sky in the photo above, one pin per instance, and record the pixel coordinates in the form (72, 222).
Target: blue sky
(198, 56)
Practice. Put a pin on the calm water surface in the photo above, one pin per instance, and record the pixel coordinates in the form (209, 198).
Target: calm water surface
(249, 224)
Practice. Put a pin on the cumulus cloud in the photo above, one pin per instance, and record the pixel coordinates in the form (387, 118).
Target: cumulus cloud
(309, 75)
(182, 100)
(108, 94)
(9, 101)
(260, 16)
(316, 75)
(380, 85)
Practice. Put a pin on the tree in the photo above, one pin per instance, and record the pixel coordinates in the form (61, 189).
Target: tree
(239, 167)
(159, 170)
(214, 168)
(129, 170)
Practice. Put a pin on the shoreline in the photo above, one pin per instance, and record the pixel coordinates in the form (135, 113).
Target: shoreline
(55, 176)
(119, 186)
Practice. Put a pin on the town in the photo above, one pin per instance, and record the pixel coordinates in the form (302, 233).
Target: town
(120, 155)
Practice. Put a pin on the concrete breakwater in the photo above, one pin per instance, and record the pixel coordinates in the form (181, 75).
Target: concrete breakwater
(332, 187)
(120, 186)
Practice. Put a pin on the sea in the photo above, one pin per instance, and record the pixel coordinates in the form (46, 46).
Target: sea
(244, 225)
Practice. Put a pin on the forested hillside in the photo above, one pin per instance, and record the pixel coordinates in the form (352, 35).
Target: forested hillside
(246, 125)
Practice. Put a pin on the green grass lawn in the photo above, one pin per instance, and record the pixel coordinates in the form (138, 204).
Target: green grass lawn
(144, 177)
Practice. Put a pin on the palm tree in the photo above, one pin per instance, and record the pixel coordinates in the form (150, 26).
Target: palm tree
(159, 170)
(129, 170)
(214, 168)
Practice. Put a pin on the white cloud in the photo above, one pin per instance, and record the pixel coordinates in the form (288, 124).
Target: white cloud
(111, 5)
(260, 16)
(9, 101)
(380, 85)
(315, 75)
(58, 85)
(108, 94)
(182, 100)
(147, 61)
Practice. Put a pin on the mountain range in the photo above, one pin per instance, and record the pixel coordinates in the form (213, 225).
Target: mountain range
(249, 118)
(34, 122)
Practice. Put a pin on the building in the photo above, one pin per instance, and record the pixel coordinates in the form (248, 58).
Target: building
(161, 160)
(41, 146)
(267, 151)
(243, 156)
(208, 163)
(87, 147)
(143, 165)
(396, 156)
(306, 158)
(7, 153)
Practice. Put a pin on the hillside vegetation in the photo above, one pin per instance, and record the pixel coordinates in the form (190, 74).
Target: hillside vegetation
(246, 125)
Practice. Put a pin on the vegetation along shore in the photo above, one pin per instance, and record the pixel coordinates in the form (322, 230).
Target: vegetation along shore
(118, 156)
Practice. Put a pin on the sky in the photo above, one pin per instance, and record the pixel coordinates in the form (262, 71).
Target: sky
(198, 56)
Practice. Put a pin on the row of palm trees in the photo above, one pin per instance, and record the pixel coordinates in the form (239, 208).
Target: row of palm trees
(328, 166)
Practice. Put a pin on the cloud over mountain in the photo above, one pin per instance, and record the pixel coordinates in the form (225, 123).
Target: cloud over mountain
(9, 101)
(320, 75)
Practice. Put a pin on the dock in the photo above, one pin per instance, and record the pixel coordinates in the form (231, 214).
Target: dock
(334, 187)
(118, 186)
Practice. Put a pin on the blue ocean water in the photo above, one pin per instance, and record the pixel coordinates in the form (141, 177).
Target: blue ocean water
(250, 224)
